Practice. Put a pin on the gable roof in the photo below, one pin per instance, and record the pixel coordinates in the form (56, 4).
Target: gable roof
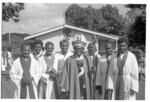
(71, 27)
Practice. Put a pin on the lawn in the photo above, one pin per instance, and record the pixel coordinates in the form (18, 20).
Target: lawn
(141, 94)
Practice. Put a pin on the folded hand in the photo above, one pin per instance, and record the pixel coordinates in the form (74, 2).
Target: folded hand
(27, 79)
(52, 76)
(132, 92)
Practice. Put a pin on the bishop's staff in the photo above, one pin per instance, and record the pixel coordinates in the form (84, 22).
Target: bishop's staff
(93, 70)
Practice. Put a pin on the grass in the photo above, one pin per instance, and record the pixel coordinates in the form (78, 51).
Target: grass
(141, 94)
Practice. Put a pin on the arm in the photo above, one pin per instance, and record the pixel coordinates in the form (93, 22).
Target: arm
(15, 72)
(55, 63)
(44, 76)
(134, 76)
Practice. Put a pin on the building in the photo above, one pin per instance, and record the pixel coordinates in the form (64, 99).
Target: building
(13, 42)
(58, 33)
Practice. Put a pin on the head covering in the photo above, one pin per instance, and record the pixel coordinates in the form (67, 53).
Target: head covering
(79, 40)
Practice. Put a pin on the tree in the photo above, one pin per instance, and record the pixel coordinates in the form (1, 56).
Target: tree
(114, 21)
(11, 11)
(137, 30)
(106, 19)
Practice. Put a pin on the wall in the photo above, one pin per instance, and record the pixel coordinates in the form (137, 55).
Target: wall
(57, 36)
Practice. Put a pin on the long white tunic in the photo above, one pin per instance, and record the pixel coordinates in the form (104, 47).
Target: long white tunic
(16, 74)
(102, 71)
(130, 76)
(45, 78)
(111, 81)
(59, 63)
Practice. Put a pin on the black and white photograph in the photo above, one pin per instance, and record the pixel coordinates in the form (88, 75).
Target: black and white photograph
(79, 51)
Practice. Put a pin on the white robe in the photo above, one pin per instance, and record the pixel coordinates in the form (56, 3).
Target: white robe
(16, 74)
(45, 78)
(111, 81)
(37, 56)
(130, 76)
(102, 71)
(59, 60)
(59, 63)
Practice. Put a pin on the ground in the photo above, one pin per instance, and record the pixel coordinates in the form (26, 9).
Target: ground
(5, 91)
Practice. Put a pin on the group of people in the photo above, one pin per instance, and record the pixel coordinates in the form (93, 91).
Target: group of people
(77, 74)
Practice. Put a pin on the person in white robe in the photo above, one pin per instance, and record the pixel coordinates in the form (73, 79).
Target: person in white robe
(60, 58)
(48, 85)
(7, 60)
(126, 85)
(106, 63)
(25, 72)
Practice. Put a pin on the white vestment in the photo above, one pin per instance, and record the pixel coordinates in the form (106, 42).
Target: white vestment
(59, 63)
(60, 60)
(111, 81)
(16, 74)
(37, 56)
(45, 78)
(103, 74)
(130, 76)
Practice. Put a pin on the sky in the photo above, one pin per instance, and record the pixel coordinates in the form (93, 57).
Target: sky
(37, 17)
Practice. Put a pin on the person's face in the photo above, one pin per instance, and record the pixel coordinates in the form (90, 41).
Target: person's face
(49, 49)
(64, 47)
(122, 47)
(91, 49)
(37, 48)
(108, 49)
(78, 50)
(26, 51)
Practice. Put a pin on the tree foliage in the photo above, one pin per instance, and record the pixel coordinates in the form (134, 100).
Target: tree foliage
(137, 16)
(11, 11)
(106, 19)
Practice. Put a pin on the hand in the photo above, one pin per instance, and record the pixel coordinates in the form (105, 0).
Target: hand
(99, 88)
(81, 71)
(132, 92)
(25, 80)
(108, 94)
(52, 76)
(30, 80)
(53, 70)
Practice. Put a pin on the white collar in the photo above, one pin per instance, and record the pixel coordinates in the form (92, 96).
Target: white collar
(80, 58)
